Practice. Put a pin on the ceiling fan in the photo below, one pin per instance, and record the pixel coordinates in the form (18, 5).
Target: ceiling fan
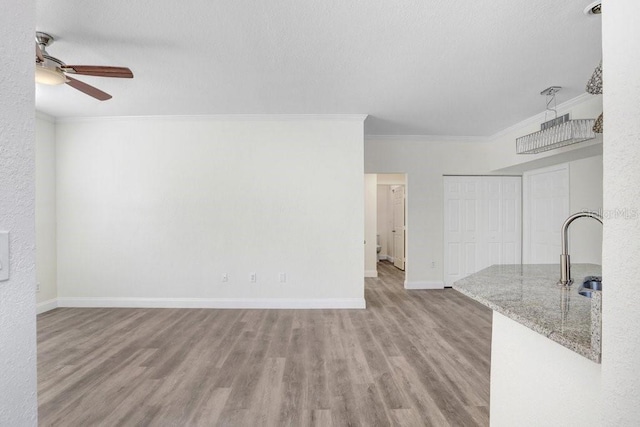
(52, 71)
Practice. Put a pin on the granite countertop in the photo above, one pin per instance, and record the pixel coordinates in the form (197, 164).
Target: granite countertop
(529, 294)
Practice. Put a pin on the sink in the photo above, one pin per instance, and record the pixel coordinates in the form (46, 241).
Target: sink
(593, 285)
(590, 284)
(586, 292)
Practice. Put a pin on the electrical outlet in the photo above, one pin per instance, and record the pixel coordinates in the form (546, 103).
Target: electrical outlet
(253, 278)
(225, 277)
(433, 264)
(283, 277)
(37, 286)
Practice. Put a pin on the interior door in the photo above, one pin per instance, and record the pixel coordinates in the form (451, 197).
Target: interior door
(462, 200)
(398, 226)
(501, 219)
(546, 206)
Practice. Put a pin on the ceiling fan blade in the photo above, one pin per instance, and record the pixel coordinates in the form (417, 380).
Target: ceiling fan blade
(39, 53)
(98, 70)
(88, 89)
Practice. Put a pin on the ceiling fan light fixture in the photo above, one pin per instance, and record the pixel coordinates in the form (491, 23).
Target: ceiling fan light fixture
(48, 76)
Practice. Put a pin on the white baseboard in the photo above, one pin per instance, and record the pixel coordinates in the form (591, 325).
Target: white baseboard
(385, 258)
(424, 284)
(239, 303)
(371, 273)
(45, 306)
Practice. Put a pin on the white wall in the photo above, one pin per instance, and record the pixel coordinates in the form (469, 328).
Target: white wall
(537, 382)
(46, 259)
(585, 183)
(18, 406)
(621, 244)
(370, 225)
(152, 211)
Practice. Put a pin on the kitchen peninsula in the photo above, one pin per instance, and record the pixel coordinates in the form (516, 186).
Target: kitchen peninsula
(545, 344)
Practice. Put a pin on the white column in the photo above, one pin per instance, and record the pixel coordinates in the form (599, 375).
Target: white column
(621, 238)
(18, 405)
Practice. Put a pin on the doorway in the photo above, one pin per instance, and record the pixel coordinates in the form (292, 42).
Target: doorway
(392, 220)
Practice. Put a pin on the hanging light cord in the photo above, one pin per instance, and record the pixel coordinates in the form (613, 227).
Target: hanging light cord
(551, 98)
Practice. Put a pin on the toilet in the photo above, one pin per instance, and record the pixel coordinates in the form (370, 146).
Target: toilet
(378, 247)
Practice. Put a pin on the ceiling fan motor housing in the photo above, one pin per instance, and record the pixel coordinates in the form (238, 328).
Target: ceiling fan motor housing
(48, 68)
(52, 71)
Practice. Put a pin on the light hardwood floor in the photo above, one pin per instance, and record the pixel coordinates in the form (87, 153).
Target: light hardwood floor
(412, 358)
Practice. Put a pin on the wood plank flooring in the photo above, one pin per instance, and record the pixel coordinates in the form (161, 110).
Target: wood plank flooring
(412, 358)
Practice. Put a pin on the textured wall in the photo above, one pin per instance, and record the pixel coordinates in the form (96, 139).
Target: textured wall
(18, 405)
(621, 240)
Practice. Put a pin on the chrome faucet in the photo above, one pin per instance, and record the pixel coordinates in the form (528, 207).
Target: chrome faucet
(565, 264)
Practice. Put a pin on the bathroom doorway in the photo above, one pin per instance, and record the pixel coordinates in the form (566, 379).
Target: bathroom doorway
(391, 231)
(398, 229)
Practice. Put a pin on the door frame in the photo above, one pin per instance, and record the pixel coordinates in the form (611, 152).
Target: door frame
(404, 228)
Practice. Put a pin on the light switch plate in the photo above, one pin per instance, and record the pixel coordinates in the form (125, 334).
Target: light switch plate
(4, 255)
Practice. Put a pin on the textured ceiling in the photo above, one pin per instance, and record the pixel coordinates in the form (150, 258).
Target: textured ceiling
(417, 67)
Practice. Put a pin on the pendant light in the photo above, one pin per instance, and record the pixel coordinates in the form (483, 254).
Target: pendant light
(557, 132)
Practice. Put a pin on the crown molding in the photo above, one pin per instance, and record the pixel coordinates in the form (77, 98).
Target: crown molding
(563, 108)
(538, 118)
(426, 138)
(44, 116)
(221, 117)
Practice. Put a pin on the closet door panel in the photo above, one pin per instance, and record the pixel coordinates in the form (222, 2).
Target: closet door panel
(483, 223)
